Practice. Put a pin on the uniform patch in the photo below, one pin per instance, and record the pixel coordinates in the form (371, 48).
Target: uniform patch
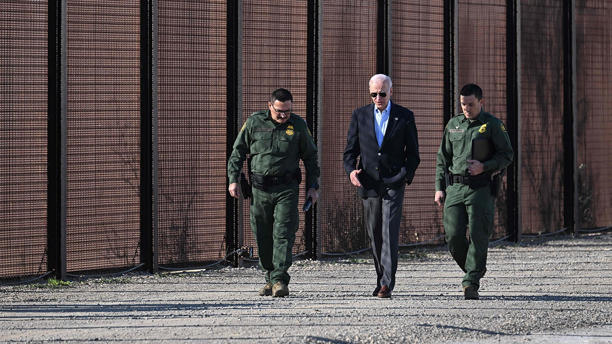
(453, 131)
(243, 126)
(483, 129)
(503, 127)
(289, 130)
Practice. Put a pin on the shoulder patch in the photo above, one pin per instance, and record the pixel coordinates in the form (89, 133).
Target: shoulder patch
(483, 129)
(243, 126)
(502, 126)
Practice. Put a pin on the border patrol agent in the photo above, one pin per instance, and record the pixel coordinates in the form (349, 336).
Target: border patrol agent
(475, 148)
(276, 139)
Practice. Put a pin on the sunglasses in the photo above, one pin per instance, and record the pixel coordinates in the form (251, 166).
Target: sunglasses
(381, 94)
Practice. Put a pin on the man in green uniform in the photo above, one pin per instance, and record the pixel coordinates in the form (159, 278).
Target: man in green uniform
(275, 140)
(475, 147)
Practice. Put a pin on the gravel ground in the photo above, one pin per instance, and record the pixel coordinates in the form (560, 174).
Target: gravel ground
(552, 291)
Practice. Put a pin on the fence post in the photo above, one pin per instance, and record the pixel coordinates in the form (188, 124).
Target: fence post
(313, 81)
(382, 38)
(570, 173)
(513, 74)
(56, 136)
(450, 63)
(233, 53)
(148, 135)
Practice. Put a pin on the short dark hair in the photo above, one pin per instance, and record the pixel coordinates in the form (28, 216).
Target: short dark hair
(280, 94)
(471, 90)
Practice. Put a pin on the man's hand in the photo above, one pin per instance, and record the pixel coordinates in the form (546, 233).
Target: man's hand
(439, 198)
(234, 190)
(475, 167)
(314, 194)
(355, 178)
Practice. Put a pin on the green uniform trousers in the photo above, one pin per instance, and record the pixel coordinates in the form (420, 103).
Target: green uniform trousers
(473, 209)
(274, 220)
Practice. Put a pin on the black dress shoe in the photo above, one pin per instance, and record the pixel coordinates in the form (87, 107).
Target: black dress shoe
(375, 292)
(384, 292)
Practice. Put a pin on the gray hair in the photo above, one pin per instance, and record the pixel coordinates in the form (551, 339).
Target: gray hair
(381, 77)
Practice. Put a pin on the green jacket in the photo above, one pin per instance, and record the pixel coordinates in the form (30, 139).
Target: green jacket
(275, 149)
(456, 146)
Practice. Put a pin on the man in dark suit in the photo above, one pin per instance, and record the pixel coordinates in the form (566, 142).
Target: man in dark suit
(384, 137)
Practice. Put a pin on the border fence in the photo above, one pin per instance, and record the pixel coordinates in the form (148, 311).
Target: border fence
(117, 118)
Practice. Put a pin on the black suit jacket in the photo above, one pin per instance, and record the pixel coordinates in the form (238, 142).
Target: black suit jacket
(390, 165)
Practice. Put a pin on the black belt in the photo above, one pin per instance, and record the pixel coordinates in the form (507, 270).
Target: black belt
(457, 178)
(264, 182)
(474, 182)
(273, 180)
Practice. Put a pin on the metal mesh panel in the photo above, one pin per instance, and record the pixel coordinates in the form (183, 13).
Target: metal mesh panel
(348, 62)
(103, 124)
(273, 56)
(541, 194)
(594, 116)
(482, 60)
(418, 81)
(23, 137)
(192, 130)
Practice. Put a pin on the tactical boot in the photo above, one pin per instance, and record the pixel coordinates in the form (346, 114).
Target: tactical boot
(470, 292)
(266, 290)
(280, 289)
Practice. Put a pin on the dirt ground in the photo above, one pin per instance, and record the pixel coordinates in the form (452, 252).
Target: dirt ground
(556, 290)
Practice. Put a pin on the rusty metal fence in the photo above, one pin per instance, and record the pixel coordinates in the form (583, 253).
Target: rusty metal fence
(117, 117)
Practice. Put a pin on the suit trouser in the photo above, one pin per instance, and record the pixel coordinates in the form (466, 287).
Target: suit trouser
(383, 216)
(473, 209)
(274, 221)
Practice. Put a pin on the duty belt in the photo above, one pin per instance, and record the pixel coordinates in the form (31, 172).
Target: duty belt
(457, 178)
(474, 182)
(276, 180)
(264, 182)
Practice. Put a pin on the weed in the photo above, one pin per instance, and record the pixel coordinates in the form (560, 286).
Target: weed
(53, 283)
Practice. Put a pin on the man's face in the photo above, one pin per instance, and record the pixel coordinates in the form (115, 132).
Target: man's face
(471, 106)
(377, 90)
(280, 111)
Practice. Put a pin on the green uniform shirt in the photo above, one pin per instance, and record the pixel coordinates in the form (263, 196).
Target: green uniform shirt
(275, 148)
(456, 146)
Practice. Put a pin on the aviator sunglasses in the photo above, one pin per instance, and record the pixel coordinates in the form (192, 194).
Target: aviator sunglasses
(381, 94)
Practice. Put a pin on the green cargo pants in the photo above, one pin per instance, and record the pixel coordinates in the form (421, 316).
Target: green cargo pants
(274, 221)
(473, 209)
